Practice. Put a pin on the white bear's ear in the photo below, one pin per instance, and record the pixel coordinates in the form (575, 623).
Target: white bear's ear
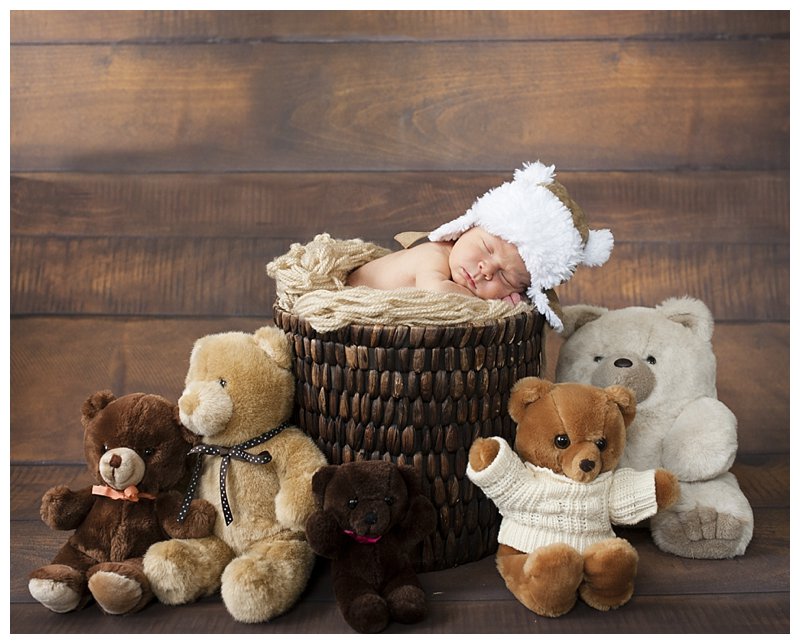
(575, 316)
(524, 392)
(691, 313)
(274, 343)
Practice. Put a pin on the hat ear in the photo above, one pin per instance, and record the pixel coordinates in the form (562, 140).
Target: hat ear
(526, 391)
(598, 247)
(535, 174)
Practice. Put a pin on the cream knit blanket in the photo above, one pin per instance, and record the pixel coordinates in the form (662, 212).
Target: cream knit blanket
(310, 283)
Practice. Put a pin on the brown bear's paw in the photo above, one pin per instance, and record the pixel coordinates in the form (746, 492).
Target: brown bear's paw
(668, 489)
(609, 571)
(367, 613)
(183, 571)
(59, 588)
(545, 581)
(266, 581)
(119, 588)
(482, 453)
(407, 604)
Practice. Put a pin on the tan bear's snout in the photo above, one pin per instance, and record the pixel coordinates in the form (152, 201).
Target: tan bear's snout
(205, 407)
(583, 462)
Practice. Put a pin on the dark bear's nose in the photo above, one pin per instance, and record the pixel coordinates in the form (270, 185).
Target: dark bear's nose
(623, 362)
(371, 518)
(115, 461)
(586, 465)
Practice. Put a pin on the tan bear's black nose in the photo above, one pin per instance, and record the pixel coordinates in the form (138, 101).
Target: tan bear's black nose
(586, 465)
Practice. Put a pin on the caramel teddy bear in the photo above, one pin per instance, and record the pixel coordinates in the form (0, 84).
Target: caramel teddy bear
(136, 452)
(371, 514)
(255, 469)
(559, 493)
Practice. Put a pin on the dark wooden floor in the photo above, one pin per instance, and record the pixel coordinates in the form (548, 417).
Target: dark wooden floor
(160, 159)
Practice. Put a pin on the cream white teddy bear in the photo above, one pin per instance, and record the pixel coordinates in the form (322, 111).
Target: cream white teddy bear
(664, 354)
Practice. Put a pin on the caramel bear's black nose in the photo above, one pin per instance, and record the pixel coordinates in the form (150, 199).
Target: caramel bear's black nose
(115, 461)
(586, 465)
(623, 362)
(371, 518)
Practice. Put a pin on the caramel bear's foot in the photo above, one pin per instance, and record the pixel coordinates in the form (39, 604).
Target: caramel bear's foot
(407, 604)
(267, 580)
(368, 613)
(58, 587)
(609, 571)
(119, 588)
(184, 570)
(545, 581)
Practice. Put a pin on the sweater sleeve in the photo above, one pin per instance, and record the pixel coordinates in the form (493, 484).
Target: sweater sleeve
(632, 496)
(501, 480)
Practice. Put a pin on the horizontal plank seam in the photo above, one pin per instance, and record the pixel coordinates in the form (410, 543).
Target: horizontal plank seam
(401, 40)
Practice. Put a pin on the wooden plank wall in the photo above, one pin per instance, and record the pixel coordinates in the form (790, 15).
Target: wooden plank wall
(160, 159)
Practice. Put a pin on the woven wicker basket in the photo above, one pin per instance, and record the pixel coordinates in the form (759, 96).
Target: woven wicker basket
(417, 396)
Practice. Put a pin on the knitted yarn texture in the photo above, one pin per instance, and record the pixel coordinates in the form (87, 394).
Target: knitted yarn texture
(311, 283)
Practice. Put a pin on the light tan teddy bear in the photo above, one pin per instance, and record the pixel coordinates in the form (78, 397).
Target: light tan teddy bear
(255, 468)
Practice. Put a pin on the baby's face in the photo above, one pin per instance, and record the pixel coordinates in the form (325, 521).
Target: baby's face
(487, 265)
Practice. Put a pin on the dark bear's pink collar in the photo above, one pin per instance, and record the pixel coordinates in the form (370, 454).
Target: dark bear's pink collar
(362, 539)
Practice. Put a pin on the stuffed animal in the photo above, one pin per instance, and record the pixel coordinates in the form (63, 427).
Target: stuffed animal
(664, 355)
(371, 514)
(559, 492)
(255, 469)
(136, 452)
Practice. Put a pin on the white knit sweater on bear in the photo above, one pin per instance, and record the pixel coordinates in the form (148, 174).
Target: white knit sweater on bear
(540, 507)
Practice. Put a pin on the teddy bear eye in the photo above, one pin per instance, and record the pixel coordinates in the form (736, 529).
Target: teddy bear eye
(105, 448)
(561, 441)
(388, 500)
(223, 383)
(650, 359)
(601, 443)
(352, 503)
(598, 358)
(148, 451)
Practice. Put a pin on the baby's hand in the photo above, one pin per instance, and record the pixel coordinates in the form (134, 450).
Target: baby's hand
(514, 298)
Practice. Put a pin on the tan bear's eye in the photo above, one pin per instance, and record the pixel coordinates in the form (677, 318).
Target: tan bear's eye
(388, 500)
(601, 444)
(561, 441)
(223, 383)
(352, 503)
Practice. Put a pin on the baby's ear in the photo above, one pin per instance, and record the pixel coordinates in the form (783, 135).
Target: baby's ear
(526, 391)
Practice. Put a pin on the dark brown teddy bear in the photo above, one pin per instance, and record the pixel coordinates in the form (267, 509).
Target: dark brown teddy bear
(136, 451)
(371, 516)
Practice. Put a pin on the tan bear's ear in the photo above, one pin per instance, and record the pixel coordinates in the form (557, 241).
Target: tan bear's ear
(96, 402)
(691, 313)
(321, 479)
(275, 344)
(575, 316)
(625, 399)
(526, 391)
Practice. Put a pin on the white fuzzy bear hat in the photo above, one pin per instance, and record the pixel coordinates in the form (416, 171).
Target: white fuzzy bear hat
(536, 214)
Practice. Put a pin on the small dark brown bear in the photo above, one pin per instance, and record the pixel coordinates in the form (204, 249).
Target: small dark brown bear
(371, 514)
(136, 451)
(559, 491)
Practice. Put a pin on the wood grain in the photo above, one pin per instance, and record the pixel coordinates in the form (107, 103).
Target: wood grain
(57, 362)
(149, 26)
(479, 106)
(732, 207)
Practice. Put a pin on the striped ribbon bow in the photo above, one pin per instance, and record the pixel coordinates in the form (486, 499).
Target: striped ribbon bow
(227, 453)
